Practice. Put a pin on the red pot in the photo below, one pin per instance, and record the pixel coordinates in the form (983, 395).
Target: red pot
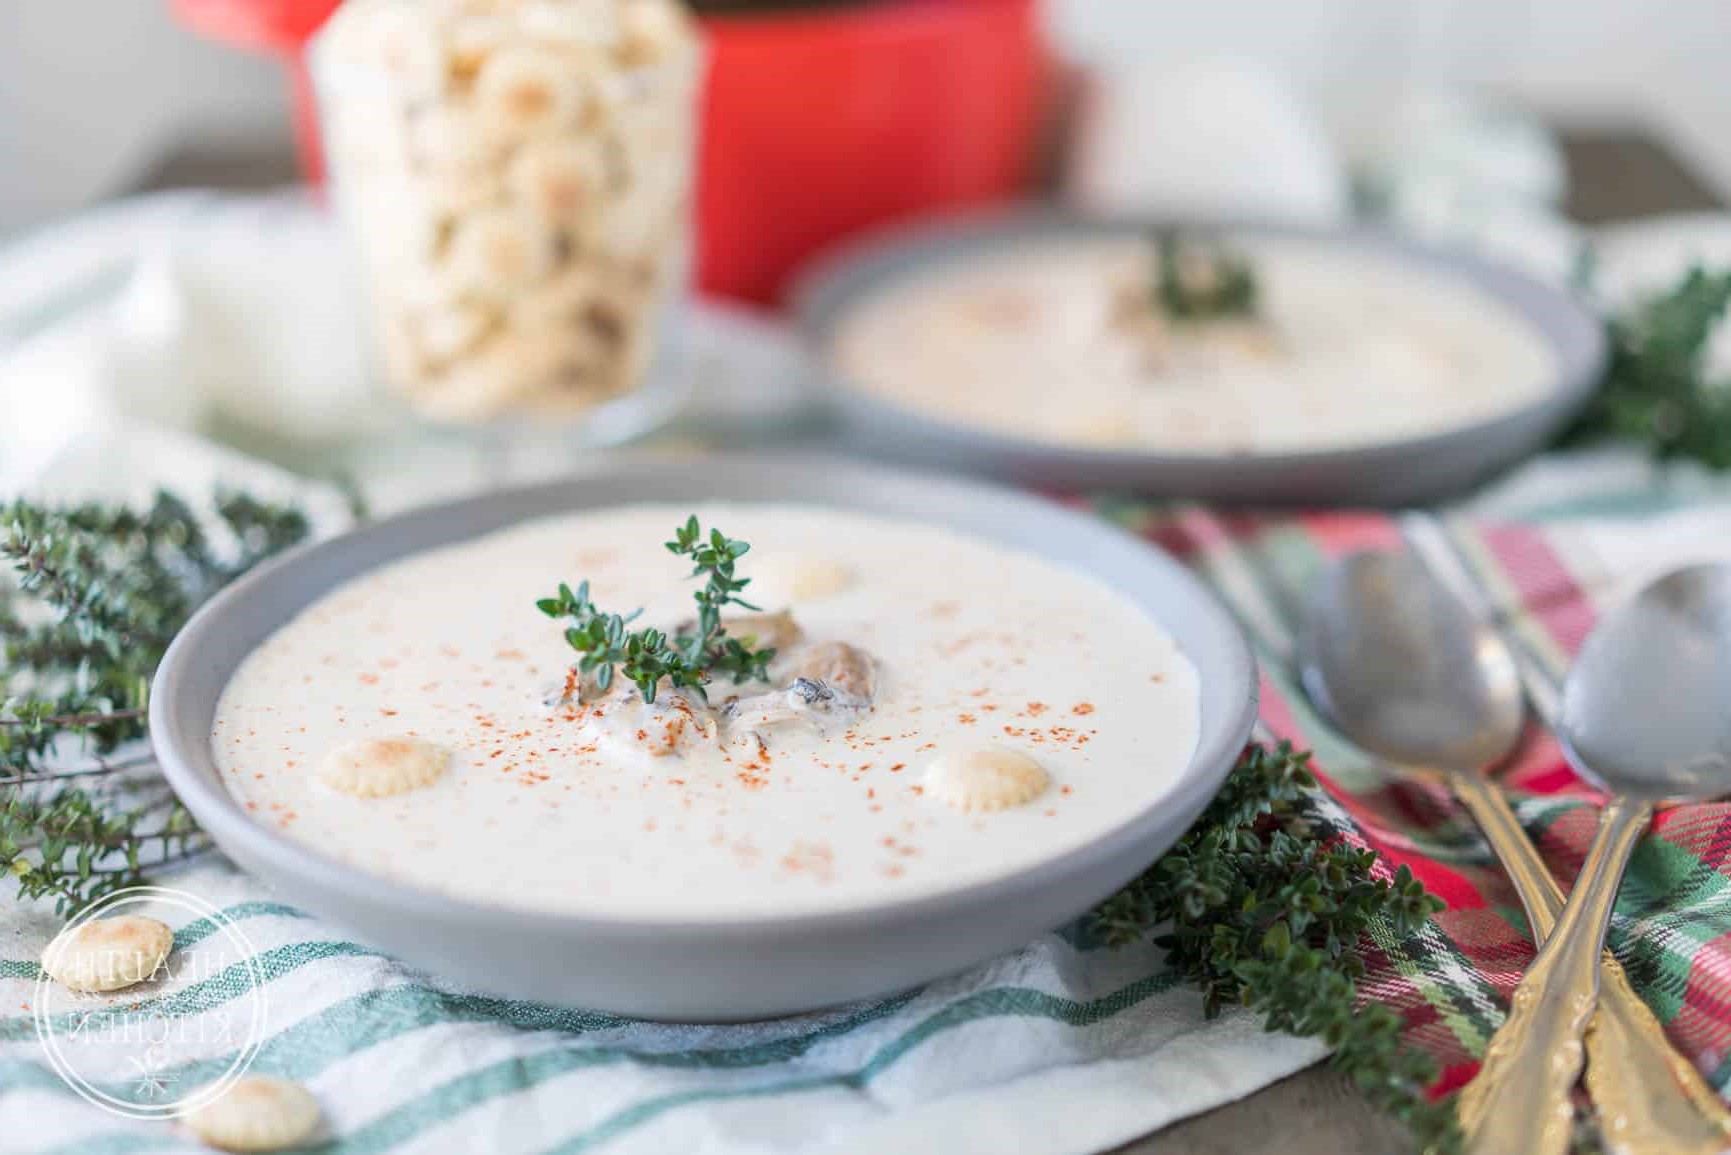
(820, 123)
(817, 123)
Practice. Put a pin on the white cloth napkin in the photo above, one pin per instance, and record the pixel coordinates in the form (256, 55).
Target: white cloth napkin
(1052, 1050)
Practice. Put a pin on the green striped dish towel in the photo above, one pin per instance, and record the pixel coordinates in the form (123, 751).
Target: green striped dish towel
(1057, 1048)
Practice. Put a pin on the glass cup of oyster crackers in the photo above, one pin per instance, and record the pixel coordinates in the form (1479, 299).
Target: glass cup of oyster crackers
(514, 176)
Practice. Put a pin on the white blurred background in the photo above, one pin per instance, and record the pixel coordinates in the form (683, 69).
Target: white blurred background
(93, 92)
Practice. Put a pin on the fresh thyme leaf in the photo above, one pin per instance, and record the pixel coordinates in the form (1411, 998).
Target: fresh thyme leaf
(1256, 910)
(1198, 281)
(647, 657)
(94, 595)
(1659, 390)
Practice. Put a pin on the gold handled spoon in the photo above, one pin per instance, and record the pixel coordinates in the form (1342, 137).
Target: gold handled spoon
(1647, 712)
(1404, 670)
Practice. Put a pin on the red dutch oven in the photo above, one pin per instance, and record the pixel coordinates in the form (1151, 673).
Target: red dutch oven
(818, 122)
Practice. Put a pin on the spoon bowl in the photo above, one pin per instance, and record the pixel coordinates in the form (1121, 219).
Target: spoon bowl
(1647, 709)
(1401, 667)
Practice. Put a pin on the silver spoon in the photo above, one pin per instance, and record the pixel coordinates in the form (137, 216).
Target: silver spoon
(1646, 712)
(1404, 669)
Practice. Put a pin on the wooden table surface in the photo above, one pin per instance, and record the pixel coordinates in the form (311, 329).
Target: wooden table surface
(1614, 174)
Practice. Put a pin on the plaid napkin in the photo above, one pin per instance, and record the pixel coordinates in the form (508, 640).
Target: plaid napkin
(1061, 1047)
(1543, 558)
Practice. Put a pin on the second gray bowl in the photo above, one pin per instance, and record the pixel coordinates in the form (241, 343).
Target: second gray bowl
(1403, 472)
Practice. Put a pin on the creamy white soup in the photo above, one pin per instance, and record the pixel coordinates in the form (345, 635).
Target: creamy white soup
(940, 711)
(1059, 341)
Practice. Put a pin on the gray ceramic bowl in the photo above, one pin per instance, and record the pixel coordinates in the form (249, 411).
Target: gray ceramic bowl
(709, 970)
(1400, 472)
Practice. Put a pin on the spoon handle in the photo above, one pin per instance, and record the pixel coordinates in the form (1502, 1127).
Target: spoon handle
(1520, 1099)
(1651, 1100)
(1539, 892)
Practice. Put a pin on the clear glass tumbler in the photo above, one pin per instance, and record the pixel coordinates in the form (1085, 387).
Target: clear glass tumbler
(514, 176)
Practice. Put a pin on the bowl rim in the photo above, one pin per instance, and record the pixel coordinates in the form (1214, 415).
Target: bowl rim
(187, 763)
(831, 288)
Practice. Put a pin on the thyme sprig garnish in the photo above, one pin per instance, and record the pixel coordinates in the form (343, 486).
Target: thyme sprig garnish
(648, 656)
(1659, 389)
(1198, 280)
(90, 599)
(1256, 910)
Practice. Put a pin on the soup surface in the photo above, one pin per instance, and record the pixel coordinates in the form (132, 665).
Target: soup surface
(553, 802)
(1059, 340)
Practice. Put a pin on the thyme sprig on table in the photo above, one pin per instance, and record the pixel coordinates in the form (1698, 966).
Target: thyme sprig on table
(1659, 390)
(649, 656)
(1256, 910)
(93, 596)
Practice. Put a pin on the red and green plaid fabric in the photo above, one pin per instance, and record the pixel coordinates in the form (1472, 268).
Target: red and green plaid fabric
(1544, 582)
